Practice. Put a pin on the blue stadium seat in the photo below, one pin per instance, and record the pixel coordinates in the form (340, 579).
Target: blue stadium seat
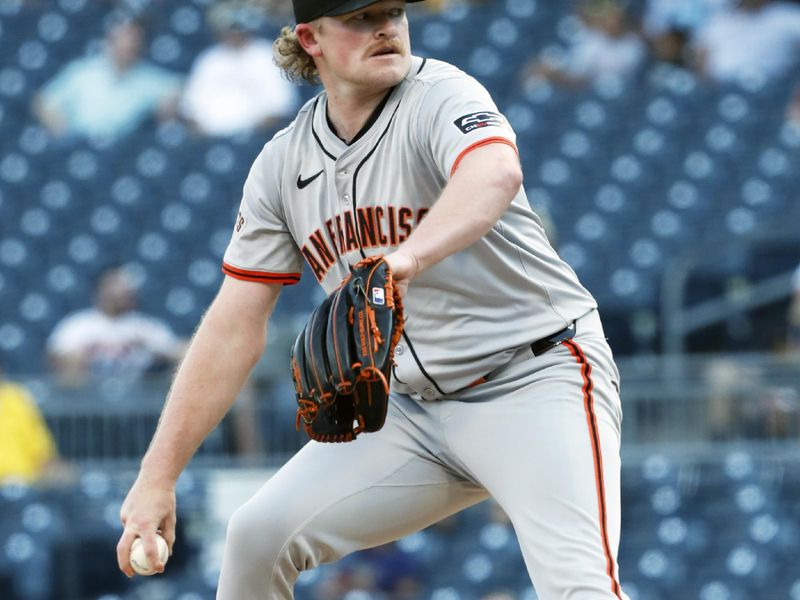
(220, 162)
(197, 188)
(714, 589)
(522, 11)
(426, 547)
(434, 36)
(85, 252)
(15, 86)
(662, 112)
(39, 311)
(171, 52)
(638, 589)
(503, 33)
(34, 58)
(592, 115)
(68, 284)
(19, 348)
(172, 135)
(154, 165)
(24, 552)
(53, 27)
(663, 569)
(15, 253)
(204, 273)
(33, 140)
(180, 221)
(57, 195)
(10, 289)
(453, 592)
(17, 171)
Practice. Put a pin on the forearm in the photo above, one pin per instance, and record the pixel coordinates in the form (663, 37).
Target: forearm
(205, 387)
(476, 196)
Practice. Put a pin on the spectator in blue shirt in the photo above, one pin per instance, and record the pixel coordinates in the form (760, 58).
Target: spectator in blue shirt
(109, 94)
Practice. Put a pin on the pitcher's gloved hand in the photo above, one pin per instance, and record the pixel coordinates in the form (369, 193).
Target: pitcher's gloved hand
(342, 360)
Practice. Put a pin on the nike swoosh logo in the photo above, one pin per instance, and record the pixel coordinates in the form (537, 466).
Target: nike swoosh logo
(301, 183)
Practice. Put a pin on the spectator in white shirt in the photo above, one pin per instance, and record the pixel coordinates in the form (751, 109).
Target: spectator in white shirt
(757, 39)
(234, 86)
(111, 338)
(605, 46)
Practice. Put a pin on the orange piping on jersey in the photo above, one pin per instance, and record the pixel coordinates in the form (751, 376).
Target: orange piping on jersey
(594, 435)
(470, 148)
(477, 382)
(260, 276)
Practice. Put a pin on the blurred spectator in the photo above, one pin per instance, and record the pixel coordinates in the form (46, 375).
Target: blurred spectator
(605, 46)
(671, 47)
(758, 38)
(27, 450)
(663, 16)
(744, 403)
(669, 26)
(793, 110)
(109, 94)
(234, 85)
(793, 338)
(732, 385)
(112, 338)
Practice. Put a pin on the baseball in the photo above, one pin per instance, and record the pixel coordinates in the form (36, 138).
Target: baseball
(139, 561)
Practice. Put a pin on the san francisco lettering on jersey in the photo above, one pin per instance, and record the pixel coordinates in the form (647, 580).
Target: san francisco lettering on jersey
(367, 227)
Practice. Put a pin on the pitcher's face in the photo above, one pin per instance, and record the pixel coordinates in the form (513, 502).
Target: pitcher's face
(368, 48)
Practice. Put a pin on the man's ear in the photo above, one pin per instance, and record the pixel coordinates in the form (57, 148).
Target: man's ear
(307, 36)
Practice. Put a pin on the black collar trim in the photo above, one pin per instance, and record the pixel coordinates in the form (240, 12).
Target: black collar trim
(316, 135)
(370, 122)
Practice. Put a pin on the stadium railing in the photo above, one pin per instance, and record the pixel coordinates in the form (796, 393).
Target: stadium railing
(697, 401)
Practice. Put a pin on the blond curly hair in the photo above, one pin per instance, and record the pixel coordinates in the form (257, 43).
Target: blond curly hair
(293, 60)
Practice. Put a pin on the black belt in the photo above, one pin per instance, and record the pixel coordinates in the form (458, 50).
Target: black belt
(551, 341)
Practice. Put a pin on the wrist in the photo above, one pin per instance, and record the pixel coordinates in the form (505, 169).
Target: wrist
(405, 265)
(415, 264)
(155, 474)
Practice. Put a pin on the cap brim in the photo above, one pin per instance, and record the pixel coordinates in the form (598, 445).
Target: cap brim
(306, 11)
(352, 5)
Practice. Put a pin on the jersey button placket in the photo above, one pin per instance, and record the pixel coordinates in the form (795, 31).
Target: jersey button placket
(346, 199)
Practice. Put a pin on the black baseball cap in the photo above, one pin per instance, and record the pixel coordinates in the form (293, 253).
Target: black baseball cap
(308, 10)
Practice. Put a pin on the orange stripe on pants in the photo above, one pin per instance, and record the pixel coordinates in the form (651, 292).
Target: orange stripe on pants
(594, 434)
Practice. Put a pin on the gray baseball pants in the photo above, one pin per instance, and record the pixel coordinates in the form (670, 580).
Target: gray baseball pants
(541, 437)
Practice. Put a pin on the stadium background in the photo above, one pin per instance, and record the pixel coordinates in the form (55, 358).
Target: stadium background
(675, 201)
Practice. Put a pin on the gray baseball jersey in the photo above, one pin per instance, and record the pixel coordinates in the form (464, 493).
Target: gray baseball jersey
(311, 197)
(540, 434)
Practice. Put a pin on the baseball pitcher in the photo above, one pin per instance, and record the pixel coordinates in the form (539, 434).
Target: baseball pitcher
(498, 376)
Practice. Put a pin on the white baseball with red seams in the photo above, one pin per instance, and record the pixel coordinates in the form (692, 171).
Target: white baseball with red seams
(139, 561)
(478, 409)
